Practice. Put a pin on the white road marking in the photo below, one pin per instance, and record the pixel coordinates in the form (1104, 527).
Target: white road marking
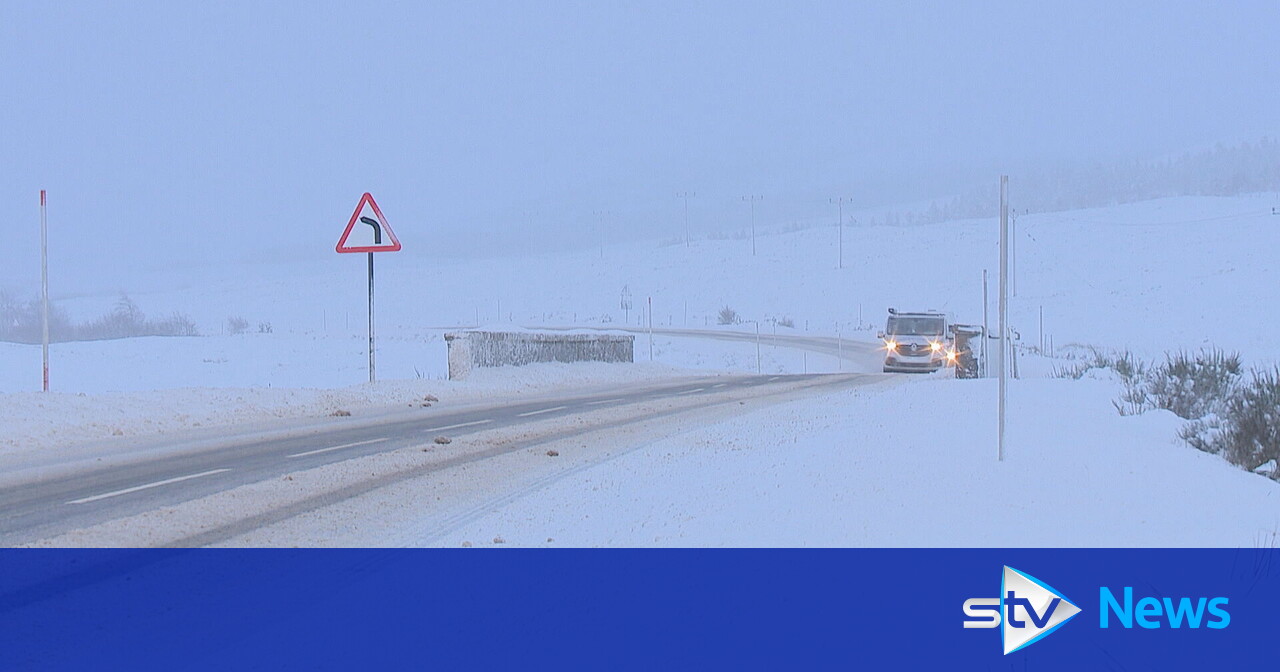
(602, 401)
(774, 378)
(460, 424)
(545, 410)
(717, 385)
(700, 389)
(157, 484)
(345, 445)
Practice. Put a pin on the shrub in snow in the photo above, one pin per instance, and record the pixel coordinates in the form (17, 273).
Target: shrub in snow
(1125, 365)
(20, 321)
(237, 325)
(1227, 416)
(126, 320)
(1194, 386)
(1250, 432)
(727, 316)
(1131, 370)
(264, 327)
(175, 325)
(786, 322)
(1203, 433)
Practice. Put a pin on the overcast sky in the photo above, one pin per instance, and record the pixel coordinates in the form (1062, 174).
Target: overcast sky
(174, 132)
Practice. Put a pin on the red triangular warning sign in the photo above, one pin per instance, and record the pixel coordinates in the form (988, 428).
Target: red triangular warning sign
(373, 233)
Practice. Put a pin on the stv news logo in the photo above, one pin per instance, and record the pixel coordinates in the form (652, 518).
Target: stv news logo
(1026, 611)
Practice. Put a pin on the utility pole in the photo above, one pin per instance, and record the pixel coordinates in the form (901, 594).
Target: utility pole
(753, 200)
(1004, 308)
(686, 195)
(44, 290)
(602, 214)
(839, 201)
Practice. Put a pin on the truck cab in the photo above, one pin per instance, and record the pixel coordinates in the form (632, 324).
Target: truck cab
(916, 342)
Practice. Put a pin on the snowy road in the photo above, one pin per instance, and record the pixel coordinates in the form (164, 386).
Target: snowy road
(56, 501)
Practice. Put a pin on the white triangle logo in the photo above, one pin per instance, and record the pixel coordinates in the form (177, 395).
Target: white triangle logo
(1030, 609)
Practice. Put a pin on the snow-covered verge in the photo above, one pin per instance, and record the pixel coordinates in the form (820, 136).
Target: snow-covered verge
(906, 465)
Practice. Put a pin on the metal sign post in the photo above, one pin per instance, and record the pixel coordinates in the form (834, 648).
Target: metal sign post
(377, 238)
(372, 368)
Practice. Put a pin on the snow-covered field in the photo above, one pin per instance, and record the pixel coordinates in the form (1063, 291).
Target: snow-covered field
(907, 465)
(904, 464)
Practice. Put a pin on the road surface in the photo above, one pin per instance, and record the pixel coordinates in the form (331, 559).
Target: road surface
(78, 496)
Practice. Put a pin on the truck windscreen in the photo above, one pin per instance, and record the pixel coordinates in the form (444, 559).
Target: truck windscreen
(915, 326)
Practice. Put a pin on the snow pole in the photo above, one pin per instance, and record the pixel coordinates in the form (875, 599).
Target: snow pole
(44, 291)
(1004, 309)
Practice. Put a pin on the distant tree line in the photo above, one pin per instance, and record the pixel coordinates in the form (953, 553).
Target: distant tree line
(1250, 167)
(20, 322)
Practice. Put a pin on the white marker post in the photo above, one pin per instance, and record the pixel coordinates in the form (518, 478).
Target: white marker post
(986, 331)
(44, 289)
(1004, 306)
(839, 348)
(377, 238)
(651, 328)
(757, 346)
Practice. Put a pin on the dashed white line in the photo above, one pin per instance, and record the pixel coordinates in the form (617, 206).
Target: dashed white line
(717, 385)
(545, 410)
(603, 401)
(774, 378)
(345, 445)
(136, 488)
(460, 424)
(700, 389)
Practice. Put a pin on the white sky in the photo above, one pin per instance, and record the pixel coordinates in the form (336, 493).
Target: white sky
(177, 133)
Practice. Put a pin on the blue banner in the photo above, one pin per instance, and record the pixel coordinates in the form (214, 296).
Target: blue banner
(638, 609)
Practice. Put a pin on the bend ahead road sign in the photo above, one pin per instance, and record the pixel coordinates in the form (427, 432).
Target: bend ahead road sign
(368, 230)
